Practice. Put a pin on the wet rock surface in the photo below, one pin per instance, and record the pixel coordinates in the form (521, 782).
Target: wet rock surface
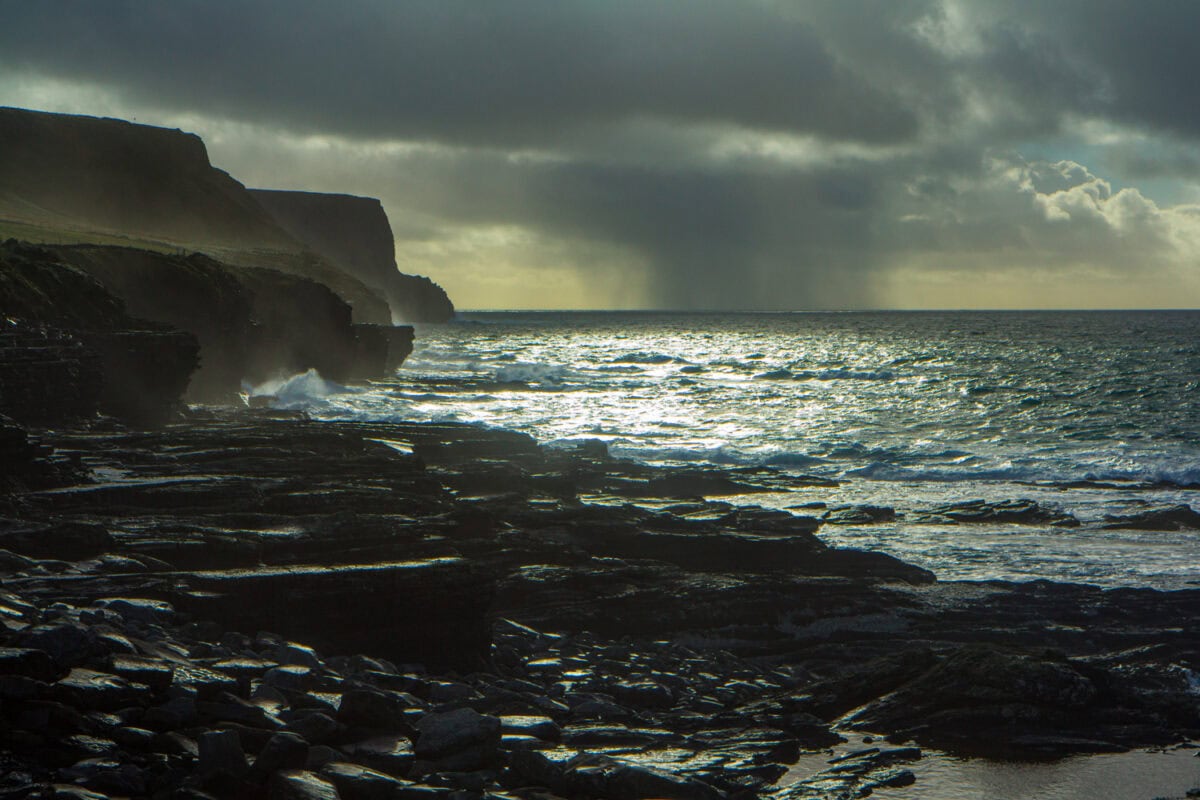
(252, 604)
(1005, 511)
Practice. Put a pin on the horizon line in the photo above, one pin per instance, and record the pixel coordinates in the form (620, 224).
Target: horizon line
(823, 310)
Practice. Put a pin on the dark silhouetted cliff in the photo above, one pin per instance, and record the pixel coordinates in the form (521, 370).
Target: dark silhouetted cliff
(252, 323)
(66, 179)
(69, 347)
(115, 176)
(354, 234)
(123, 327)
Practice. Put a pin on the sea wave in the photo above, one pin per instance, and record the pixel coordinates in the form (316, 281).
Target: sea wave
(827, 375)
(294, 392)
(529, 372)
(648, 358)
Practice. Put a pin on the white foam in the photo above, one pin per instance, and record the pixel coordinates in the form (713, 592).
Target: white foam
(525, 372)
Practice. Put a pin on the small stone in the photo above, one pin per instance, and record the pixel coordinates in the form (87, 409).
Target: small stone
(88, 689)
(220, 755)
(315, 726)
(16, 687)
(289, 678)
(175, 743)
(643, 694)
(242, 669)
(205, 682)
(68, 792)
(297, 655)
(300, 785)
(463, 732)
(355, 782)
(542, 728)
(319, 755)
(153, 672)
(90, 746)
(139, 609)
(228, 707)
(177, 712)
(374, 708)
(67, 644)
(133, 738)
(283, 751)
(390, 754)
(597, 708)
(449, 692)
(109, 776)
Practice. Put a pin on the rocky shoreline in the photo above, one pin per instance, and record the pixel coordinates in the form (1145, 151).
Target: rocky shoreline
(250, 603)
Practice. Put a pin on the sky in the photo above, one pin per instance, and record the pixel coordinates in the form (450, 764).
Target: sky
(692, 154)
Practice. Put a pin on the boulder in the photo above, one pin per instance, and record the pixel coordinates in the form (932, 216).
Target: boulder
(984, 699)
(458, 740)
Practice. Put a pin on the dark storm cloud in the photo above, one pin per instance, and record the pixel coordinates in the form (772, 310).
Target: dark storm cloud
(751, 153)
(1143, 54)
(514, 73)
(716, 237)
(1126, 62)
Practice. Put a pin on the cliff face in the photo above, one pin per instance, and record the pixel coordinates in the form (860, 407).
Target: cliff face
(192, 293)
(252, 323)
(122, 330)
(69, 178)
(354, 234)
(115, 176)
(69, 347)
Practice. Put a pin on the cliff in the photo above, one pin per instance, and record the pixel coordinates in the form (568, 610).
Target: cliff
(121, 330)
(72, 179)
(108, 175)
(354, 234)
(252, 323)
(69, 347)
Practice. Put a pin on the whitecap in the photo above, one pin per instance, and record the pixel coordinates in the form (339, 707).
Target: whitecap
(528, 372)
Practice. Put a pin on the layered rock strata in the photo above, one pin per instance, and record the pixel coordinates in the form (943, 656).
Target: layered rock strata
(636, 645)
(68, 347)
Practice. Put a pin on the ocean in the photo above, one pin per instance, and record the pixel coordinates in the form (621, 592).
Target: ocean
(1095, 414)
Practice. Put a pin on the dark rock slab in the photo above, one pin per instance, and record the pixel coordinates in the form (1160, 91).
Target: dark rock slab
(300, 785)
(1016, 512)
(858, 515)
(356, 782)
(69, 540)
(458, 740)
(100, 691)
(28, 663)
(601, 776)
(434, 612)
(391, 754)
(985, 698)
(1173, 518)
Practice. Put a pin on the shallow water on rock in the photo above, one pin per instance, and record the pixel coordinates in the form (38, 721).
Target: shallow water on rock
(1136, 775)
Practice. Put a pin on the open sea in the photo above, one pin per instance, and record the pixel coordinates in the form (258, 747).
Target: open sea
(1091, 413)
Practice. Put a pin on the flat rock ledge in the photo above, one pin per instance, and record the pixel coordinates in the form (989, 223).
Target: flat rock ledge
(252, 604)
